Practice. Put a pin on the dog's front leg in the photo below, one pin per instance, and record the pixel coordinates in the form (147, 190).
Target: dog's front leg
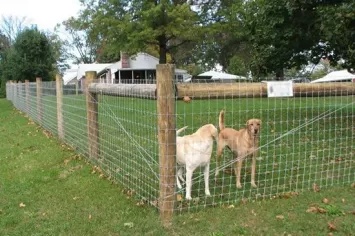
(253, 168)
(207, 175)
(237, 170)
(189, 172)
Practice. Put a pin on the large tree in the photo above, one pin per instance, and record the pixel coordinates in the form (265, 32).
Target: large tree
(133, 26)
(30, 56)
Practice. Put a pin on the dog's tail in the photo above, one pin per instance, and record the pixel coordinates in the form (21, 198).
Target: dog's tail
(180, 130)
(221, 120)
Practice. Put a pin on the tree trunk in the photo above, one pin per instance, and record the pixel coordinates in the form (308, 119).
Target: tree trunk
(162, 49)
(280, 74)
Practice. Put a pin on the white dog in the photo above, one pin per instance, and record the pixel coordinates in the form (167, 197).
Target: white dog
(192, 151)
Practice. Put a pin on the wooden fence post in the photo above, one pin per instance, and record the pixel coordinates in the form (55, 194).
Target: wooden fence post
(167, 141)
(39, 100)
(27, 89)
(92, 116)
(59, 93)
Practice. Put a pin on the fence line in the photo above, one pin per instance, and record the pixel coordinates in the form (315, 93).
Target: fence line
(128, 131)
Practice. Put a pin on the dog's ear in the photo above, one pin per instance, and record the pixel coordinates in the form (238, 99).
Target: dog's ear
(247, 124)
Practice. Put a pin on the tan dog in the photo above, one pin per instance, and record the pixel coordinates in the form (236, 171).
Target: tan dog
(242, 143)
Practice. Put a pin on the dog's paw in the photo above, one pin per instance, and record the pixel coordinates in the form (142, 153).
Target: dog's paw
(188, 198)
(208, 194)
(254, 185)
(239, 186)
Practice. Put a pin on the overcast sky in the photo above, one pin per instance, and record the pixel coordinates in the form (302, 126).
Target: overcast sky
(44, 13)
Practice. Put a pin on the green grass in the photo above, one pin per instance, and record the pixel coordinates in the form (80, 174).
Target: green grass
(63, 196)
(303, 141)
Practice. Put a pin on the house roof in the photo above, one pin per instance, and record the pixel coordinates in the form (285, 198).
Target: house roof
(334, 76)
(82, 68)
(140, 61)
(220, 75)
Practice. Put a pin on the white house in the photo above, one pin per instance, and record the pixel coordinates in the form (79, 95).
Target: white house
(137, 69)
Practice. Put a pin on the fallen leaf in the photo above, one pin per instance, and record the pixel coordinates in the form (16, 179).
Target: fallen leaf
(66, 161)
(101, 176)
(244, 200)
(89, 217)
(187, 99)
(325, 200)
(312, 209)
(353, 185)
(316, 209)
(321, 210)
(343, 200)
(331, 226)
(280, 217)
(22, 205)
(178, 197)
(129, 225)
(231, 206)
(315, 187)
(330, 234)
(252, 211)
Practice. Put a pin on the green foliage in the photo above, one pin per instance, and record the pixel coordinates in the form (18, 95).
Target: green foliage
(264, 37)
(338, 32)
(138, 25)
(30, 56)
(237, 66)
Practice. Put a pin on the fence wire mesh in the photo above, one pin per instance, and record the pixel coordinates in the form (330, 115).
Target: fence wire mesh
(306, 141)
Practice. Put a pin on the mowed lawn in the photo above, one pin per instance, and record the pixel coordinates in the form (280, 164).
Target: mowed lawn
(48, 189)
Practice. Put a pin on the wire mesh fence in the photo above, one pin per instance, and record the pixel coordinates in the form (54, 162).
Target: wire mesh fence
(306, 140)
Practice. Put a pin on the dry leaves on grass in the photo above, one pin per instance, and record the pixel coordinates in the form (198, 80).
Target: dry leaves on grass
(178, 197)
(331, 226)
(316, 209)
(22, 205)
(47, 133)
(315, 187)
(280, 217)
(325, 200)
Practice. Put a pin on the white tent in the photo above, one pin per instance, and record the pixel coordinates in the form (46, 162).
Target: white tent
(336, 76)
(221, 76)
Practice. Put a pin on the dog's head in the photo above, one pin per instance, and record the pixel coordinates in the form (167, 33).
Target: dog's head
(254, 126)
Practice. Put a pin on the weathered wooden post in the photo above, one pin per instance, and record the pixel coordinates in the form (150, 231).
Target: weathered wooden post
(92, 116)
(167, 141)
(39, 100)
(59, 93)
(27, 89)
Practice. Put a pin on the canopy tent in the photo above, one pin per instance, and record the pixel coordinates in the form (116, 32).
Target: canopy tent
(220, 75)
(336, 76)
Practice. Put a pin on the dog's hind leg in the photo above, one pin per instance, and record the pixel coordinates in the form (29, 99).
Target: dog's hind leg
(179, 177)
(206, 175)
(189, 172)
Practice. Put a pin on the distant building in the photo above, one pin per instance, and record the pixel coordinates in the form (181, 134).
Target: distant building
(137, 69)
